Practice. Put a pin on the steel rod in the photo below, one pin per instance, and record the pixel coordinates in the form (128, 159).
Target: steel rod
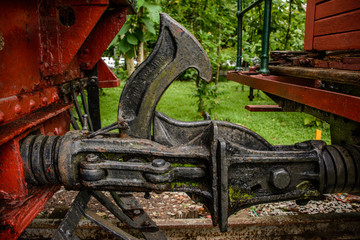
(264, 67)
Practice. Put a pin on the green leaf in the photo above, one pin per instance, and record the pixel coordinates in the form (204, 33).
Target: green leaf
(140, 3)
(308, 121)
(154, 11)
(125, 28)
(148, 24)
(130, 53)
(131, 38)
(124, 46)
(139, 34)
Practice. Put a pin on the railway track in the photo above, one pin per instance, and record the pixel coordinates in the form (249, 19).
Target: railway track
(316, 226)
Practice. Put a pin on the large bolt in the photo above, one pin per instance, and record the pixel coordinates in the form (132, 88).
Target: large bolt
(280, 178)
(158, 162)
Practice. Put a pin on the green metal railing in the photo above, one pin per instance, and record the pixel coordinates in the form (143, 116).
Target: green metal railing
(264, 66)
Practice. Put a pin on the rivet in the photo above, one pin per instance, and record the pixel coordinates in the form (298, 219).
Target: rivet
(55, 97)
(2, 42)
(44, 100)
(46, 65)
(2, 117)
(17, 109)
(137, 212)
(32, 104)
(57, 131)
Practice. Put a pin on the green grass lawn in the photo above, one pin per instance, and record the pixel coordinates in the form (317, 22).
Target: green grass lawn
(178, 102)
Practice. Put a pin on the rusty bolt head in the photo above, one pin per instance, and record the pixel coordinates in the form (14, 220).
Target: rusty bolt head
(158, 162)
(2, 117)
(137, 212)
(46, 65)
(55, 97)
(17, 109)
(92, 157)
(44, 100)
(280, 178)
(32, 104)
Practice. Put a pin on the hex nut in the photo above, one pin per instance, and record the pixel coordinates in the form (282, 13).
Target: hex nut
(158, 162)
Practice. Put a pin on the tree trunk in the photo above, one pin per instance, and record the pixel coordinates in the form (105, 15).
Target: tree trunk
(141, 53)
(129, 65)
(218, 58)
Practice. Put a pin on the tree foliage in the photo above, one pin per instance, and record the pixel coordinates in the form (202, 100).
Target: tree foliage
(214, 24)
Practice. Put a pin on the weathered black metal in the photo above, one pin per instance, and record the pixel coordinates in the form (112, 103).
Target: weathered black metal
(225, 166)
(93, 98)
(176, 50)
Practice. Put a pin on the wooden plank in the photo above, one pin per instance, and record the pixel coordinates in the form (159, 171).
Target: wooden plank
(340, 41)
(334, 7)
(345, 22)
(309, 25)
(332, 75)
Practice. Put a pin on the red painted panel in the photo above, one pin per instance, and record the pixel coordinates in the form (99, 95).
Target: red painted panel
(59, 43)
(340, 41)
(107, 78)
(334, 7)
(15, 128)
(15, 219)
(98, 40)
(14, 107)
(340, 104)
(19, 28)
(12, 180)
(345, 22)
(309, 25)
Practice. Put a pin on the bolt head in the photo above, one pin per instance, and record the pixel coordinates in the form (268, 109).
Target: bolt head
(137, 212)
(158, 162)
(280, 178)
(17, 109)
(92, 157)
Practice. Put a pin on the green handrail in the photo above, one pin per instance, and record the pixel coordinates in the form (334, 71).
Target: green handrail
(264, 67)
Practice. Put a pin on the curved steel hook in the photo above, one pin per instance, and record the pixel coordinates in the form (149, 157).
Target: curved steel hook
(176, 50)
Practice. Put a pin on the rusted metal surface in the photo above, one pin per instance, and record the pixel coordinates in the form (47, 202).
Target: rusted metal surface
(107, 78)
(337, 103)
(40, 45)
(329, 226)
